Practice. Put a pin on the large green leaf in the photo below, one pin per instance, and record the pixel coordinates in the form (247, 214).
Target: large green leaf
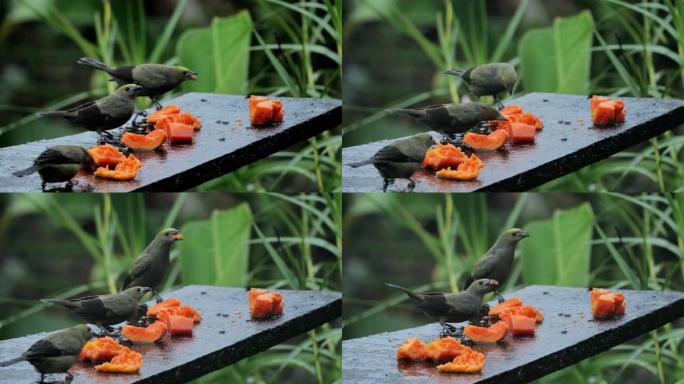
(558, 251)
(219, 53)
(558, 58)
(216, 251)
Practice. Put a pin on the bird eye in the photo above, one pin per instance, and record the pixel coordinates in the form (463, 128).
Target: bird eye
(481, 282)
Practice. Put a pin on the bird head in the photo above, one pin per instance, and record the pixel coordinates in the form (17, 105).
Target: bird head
(425, 139)
(137, 292)
(489, 113)
(129, 90)
(171, 234)
(484, 286)
(83, 332)
(507, 76)
(88, 162)
(185, 73)
(514, 235)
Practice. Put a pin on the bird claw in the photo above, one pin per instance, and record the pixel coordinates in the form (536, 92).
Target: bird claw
(158, 299)
(500, 298)
(451, 331)
(411, 186)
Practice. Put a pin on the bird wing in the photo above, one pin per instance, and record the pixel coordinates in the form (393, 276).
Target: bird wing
(44, 348)
(91, 307)
(137, 269)
(464, 304)
(123, 75)
(394, 154)
(52, 156)
(82, 106)
(90, 114)
(484, 268)
(150, 76)
(119, 304)
(434, 304)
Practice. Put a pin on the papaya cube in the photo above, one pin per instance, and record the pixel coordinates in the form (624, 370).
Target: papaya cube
(413, 349)
(522, 325)
(180, 325)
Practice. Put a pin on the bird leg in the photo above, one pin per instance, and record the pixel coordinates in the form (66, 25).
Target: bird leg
(500, 298)
(69, 378)
(105, 330)
(455, 139)
(43, 185)
(42, 378)
(450, 330)
(106, 138)
(499, 104)
(411, 186)
(135, 122)
(156, 103)
(386, 183)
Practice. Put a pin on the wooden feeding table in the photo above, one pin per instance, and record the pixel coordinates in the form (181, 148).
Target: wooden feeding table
(568, 143)
(568, 335)
(225, 335)
(225, 143)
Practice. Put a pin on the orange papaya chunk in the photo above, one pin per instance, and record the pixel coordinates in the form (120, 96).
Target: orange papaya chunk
(180, 133)
(171, 109)
(512, 109)
(413, 349)
(444, 349)
(521, 325)
(127, 361)
(512, 302)
(523, 133)
(101, 349)
(492, 334)
(180, 325)
(468, 361)
(150, 334)
(170, 302)
(263, 304)
(606, 111)
(491, 142)
(444, 156)
(606, 304)
(469, 170)
(149, 142)
(106, 155)
(190, 312)
(126, 170)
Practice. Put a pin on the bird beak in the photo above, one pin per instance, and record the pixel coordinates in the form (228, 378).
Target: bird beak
(135, 90)
(177, 236)
(523, 234)
(147, 289)
(451, 72)
(493, 283)
(193, 76)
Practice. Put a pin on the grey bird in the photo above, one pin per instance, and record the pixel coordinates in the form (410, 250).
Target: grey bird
(106, 310)
(156, 79)
(149, 268)
(55, 353)
(497, 263)
(59, 164)
(488, 79)
(400, 160)
(452, 307)
(104, 114)
(453, 119)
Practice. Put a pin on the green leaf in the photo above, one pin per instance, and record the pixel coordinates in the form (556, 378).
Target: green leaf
(219, 53)
(558, 251)
(558, 58)
(216, 251)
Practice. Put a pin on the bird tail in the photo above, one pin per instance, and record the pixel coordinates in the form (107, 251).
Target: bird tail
(88, 62)
(25, 172)
(361, 164)
(456, 72)
(54, 114)
(410, 112)
(11, 362)
(62, 302)
(410, 293)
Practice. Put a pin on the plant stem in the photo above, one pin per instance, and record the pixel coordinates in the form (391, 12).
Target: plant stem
(317, 358)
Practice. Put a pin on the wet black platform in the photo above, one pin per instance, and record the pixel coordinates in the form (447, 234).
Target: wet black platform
(568, 143)
(225, 143)
(568, 334)
(226, 335)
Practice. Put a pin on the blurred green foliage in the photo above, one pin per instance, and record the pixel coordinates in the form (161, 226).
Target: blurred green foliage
(398, 50)
(238, 46)
(65, 246)
(428, 242)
